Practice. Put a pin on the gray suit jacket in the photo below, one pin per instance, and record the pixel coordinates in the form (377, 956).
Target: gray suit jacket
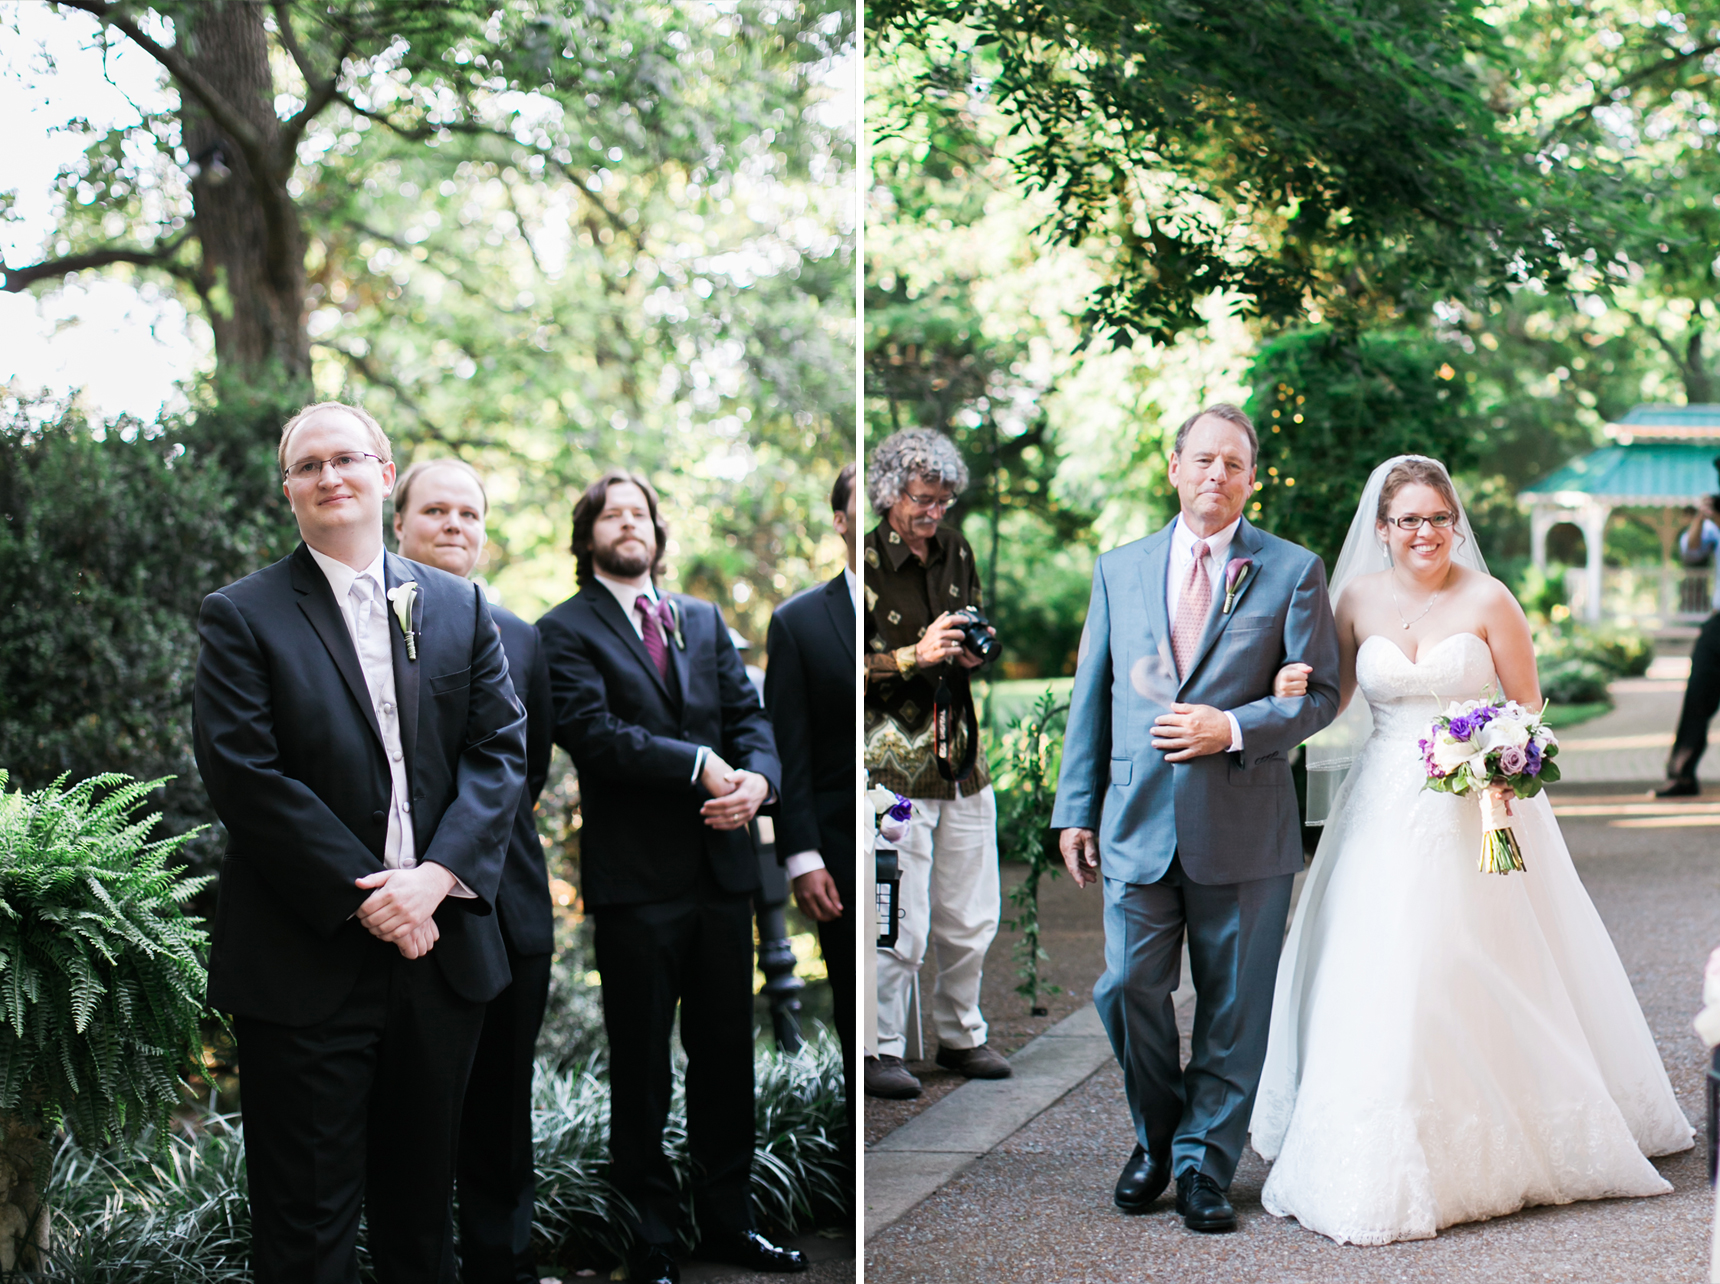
(1232, 818)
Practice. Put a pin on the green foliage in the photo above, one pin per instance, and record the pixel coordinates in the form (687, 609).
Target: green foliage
(109, 540)
(1355, 157)
(1620, 652)
(173, 1209)
(1574, 680)
(101, 979)
(1026, 793)
(1330, 407)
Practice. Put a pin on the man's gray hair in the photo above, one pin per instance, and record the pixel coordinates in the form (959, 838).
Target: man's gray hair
(903, 456)
(1231, 415)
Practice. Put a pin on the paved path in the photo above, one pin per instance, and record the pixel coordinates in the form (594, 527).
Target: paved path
(987, 1185)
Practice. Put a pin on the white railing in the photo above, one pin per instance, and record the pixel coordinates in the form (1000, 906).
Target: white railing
(1646, 596)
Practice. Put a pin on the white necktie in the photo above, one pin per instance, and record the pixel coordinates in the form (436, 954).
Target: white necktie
(370, 638)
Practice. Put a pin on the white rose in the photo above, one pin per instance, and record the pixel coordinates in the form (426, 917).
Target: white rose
(1502, 733)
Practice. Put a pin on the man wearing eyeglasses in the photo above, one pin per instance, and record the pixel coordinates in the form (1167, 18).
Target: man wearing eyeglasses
(361, 741)
(920, 579)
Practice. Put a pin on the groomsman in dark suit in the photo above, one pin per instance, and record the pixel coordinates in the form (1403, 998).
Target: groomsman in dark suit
(439, 512)
(653, 704)
(810, 689)
(361, 741)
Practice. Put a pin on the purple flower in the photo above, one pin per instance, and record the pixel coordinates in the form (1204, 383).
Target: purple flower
(1463, 726)
(1512, 760)
(1532, 759)
(902, 810)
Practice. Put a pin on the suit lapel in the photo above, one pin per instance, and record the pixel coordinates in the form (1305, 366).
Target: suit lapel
(841, 608)
(677, 658)
(407, 686)
(316, 600)
(1245, 543)
(609, 611)
(1155, 565)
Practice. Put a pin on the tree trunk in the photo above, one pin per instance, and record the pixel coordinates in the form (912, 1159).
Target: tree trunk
(1698, 379)
(25, 1157)
(253, 272)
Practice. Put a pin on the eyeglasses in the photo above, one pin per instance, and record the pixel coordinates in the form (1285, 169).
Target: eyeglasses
(344, 465)
(926, 503)
(1413, 521)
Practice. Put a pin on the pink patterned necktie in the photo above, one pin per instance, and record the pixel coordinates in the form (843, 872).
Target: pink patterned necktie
(652, 628)
(1193, 607)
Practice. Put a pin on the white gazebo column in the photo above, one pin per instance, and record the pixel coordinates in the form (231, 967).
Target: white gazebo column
(1593, 521)
(1542, 519)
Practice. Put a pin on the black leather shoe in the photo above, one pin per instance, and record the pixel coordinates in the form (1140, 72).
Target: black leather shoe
(1678, 788)
(653, 1265)
(753, 1251)
(1202, 1205)
(1143, 1180)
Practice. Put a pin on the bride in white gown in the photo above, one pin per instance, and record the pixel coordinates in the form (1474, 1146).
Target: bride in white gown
(1446, 1045)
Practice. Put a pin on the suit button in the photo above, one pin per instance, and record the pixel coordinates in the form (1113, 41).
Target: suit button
(376, 818)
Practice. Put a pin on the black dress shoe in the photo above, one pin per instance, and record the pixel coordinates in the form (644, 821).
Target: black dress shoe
(1678, 788)
(753, 1251)
(653, 1265)
(1202, 1205)
(1143, 1180)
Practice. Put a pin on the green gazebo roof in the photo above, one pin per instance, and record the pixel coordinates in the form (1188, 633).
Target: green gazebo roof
(1649, 474)
(1667, 423)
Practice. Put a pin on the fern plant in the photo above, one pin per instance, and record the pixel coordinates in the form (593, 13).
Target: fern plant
(101, 981)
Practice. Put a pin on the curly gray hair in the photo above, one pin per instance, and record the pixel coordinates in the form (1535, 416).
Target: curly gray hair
(913, 452)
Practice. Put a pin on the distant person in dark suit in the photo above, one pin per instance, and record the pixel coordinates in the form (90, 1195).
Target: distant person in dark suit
(439, 511)
(810, 688)
(360, 739)
(1696, 544)
(653, 704)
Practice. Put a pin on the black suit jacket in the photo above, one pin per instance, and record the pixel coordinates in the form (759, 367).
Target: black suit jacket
(635, 737)
(291, 753)
(809, 688)
(522, 902)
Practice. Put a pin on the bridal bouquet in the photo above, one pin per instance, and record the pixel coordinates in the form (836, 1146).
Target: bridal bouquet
(1478, 742)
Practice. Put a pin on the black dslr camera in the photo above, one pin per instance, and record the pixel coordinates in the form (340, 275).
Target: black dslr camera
(976, 641)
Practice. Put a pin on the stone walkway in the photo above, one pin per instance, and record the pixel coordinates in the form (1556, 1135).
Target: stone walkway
(1012, 1180)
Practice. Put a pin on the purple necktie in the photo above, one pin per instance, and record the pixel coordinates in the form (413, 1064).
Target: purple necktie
(653, 624)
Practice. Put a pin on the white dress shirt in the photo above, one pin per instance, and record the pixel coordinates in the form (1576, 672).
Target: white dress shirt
(374, 645)
(1182, 555)
(625, 596)
(807, 861)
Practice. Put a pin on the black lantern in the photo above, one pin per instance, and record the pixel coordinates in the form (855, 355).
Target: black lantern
(889, 894)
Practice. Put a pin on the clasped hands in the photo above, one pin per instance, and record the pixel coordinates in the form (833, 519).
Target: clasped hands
(735, 797)
(401, 904)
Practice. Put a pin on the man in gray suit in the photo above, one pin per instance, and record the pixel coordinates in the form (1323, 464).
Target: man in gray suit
(1176, 767)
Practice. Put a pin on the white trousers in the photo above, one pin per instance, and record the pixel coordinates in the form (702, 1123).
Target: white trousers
(949, 898)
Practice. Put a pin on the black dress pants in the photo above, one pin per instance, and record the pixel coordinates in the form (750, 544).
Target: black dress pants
(836, 944)
(1701, 699)
(361, 1109)
(495, 1162)
(695, 950)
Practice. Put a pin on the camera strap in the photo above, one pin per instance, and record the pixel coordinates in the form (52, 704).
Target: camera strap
(945, 710)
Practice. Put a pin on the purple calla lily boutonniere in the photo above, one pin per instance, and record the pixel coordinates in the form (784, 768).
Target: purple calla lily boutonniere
(401, 596)
(1235, 572)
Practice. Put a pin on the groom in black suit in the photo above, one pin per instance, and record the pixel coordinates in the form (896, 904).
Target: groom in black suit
(361, 741)
(812, 693)
(653, 704)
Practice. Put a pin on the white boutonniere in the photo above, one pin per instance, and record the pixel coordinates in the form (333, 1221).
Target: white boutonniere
(675, 618)
(401, 596)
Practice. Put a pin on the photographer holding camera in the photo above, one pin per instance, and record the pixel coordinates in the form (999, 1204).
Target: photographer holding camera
(925, 633)
(1696, 544)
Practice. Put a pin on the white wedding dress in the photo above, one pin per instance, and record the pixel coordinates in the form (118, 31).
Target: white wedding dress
(1446, 1045)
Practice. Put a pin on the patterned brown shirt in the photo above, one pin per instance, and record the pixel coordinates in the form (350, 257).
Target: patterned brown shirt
(903, 596)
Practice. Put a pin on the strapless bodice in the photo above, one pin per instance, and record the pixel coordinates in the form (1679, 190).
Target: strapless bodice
(1403, 695)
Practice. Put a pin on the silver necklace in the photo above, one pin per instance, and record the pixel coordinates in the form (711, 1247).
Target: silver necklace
(1424, 610)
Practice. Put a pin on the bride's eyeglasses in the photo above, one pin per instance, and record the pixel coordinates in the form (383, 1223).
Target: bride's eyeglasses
(1413, 521)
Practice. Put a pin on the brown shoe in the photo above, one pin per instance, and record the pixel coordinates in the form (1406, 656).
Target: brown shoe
(975, 1063)
(887, 1077)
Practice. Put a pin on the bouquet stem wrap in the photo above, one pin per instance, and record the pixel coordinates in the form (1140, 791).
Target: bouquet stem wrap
(1500, 853)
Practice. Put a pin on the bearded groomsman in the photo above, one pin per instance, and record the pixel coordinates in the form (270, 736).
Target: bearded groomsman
(653, 704)
(439, 511)
(811, 689)
(361, 741)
